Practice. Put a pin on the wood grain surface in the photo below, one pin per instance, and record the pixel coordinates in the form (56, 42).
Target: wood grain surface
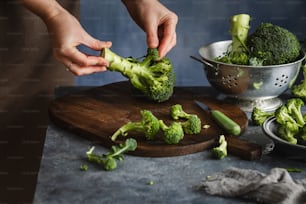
(98, 112)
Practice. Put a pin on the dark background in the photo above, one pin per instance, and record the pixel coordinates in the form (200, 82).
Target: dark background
(200, 22)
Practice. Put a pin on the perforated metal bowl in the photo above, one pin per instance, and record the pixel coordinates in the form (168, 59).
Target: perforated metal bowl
(248, 86)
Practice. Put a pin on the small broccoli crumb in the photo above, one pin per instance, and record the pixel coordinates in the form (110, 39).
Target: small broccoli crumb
(296, 170)
(83, 167)
(150, 183)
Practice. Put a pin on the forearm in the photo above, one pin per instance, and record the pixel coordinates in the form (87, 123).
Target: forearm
(45, 9)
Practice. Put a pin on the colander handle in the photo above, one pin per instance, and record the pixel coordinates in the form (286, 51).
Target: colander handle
(203, 61)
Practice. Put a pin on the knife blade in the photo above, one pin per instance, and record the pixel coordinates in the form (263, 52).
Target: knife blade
(226, 123)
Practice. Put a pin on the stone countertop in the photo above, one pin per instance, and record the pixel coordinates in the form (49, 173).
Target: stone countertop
(60, 179)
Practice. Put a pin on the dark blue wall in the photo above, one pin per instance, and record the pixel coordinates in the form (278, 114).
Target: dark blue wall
(200, 22)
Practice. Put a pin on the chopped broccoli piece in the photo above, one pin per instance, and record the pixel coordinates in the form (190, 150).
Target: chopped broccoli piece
(177, 112)
(173, 133)
(237, 52)
(83, 167)
(192, 125)
(283, 116)
(259, 116)
(150, 183)
(302, 135)
(295, 170)
(116, 153)
(273, 44)
(288, 132)
(154, 78)
(288, 128)
(220, 151)
(149, 125)
(294, 106)
(299, 90)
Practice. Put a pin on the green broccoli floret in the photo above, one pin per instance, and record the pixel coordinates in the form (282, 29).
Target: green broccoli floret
(193, 124)
(173, 133)
(294, 106)
(237, 52)
(288, 128)
(299, 90)
(273, 44)
(177, 112)
(302, 135)
(288, 132)
(149, 125)
(283, 116)
(116, 153)
(153, 77)
(220, 151)
(259, 116)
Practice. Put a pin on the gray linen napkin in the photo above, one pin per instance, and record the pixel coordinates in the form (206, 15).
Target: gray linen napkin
(275, 187)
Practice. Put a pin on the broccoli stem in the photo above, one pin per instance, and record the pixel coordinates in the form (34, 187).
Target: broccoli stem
(239, 31)
(131, 70)
(136, 126)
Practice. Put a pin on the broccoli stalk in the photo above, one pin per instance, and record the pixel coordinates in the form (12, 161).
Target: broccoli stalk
(154, 78)
(173, 133)
(237, 53)
(116, 153)
(149, 125)
(259, 116)
(294, 106)
(299, 90)
(220, 151)
(193, 123)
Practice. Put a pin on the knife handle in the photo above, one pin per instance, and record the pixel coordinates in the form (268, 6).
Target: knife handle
(227, 124)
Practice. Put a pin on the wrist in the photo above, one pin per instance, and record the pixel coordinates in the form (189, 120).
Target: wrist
(44, 9)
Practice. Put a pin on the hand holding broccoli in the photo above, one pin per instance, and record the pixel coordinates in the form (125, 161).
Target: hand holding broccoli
(153, 77)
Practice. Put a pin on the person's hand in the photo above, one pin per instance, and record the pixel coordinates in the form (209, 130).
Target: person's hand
(157, 21)
(66, 34)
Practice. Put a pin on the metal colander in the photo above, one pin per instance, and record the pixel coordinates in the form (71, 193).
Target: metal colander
(248, 86)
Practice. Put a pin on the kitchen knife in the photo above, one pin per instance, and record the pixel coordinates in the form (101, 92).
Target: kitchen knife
(227, 124)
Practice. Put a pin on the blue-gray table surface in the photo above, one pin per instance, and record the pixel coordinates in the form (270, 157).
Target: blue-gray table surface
(174, 179)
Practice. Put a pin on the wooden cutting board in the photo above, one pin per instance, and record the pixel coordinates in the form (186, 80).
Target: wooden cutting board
(98, 112)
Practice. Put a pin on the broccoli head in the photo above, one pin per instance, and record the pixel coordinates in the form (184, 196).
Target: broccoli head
(294, 106)
(149, 125)
(299, 90)
(273, 44)
(259, 116)
(173, 133)
(220, 151)
(153, 77)
(237, 52)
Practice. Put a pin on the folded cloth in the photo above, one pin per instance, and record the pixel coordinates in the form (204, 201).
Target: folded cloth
(275, 187)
